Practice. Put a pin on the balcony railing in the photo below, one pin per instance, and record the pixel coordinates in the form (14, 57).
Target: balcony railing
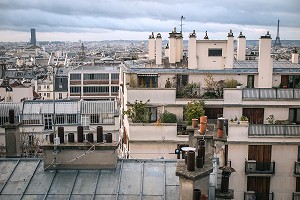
(296, 195)
(273, 130)
(271, 93)
(297, 168)
(251, 195)
(253, 167)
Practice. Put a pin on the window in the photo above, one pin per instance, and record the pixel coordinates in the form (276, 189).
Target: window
(214, 52)
(182, 80)
(250, 81)
(75, 76)
(75, 89)
(294, 115)
(48, 122)
(59, 95)
(48, 94)
(153, 116)
(114, 89)
(39, 87)
(148, 81)
(94, 119)
(72, 118)
(115, 76)
(60, 119)
(44, 94)
(96, 89)
(95, 76)
(290, 81)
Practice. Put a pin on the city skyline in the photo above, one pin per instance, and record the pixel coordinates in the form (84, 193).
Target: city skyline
(134, 20)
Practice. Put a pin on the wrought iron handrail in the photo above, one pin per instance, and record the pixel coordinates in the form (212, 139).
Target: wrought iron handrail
(251, 195)
(253, 167)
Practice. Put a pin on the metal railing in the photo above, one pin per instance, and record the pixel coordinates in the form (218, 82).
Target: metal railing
(251, 195)
(297, 168)
(253, 167)
(273, 130)
(271, 93)
(296, 195)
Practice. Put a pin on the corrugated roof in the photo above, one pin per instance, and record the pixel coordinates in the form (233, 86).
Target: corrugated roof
(89, 107)
(41, 107)
(132, 179)
(5, 107)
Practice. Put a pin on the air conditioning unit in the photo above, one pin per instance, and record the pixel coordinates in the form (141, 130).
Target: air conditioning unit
(251, 165)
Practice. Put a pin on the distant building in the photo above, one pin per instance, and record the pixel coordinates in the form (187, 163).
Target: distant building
(88, 82)
(33, 37)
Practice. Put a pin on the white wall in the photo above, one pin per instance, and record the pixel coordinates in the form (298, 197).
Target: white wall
(156, 95)
(212, 62)
(237, 154)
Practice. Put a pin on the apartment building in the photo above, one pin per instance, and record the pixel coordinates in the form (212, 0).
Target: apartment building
(39, 119)
(94, 82)
(269, 88)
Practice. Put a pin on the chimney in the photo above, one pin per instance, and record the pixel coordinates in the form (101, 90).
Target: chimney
(192, 59)
(158, 49)
(265, 62)
(206, 36)
(230, 50)
(12, 137)
(151, 47)
(167, 50)
(241, 47)
(172, 47)
(179, 47)
(295, 56)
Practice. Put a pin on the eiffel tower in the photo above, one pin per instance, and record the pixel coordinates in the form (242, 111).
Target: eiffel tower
(277, 40)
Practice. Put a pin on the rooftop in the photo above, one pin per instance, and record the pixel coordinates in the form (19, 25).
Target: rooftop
(239, 67)
(102, 68)
(132, 179)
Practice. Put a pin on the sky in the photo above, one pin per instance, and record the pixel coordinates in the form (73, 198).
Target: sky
(96, 20)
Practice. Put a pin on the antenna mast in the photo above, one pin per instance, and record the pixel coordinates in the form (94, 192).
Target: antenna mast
(182, 17)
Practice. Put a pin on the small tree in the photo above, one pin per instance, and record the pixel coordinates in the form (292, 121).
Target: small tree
(193, 110)
(168, 117)
(139, 112)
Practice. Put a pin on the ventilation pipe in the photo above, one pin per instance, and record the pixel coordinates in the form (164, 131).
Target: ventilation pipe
(295, 56)
(79, 133)
(151, 46)
(90, 137)
(241, 47)
(192, 59)
(71, 137)
(99, 134)
(108, 138)
(61, 134)
(158, 49)
(191, 160)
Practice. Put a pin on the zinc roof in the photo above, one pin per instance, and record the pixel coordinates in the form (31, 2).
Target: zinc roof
(132, 179)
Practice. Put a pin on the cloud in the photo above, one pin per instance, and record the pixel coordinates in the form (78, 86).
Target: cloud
(145, 15)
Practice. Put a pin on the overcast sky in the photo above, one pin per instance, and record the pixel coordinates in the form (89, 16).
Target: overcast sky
(86, 20)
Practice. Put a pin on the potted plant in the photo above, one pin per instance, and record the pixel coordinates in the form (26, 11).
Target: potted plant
(244, 118)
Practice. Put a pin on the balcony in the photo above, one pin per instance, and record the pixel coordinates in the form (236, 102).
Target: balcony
(296, 195)
(297, 169)
(274, 130)
(271, 93)
(259, 168)
(251, 195)
(156, 95)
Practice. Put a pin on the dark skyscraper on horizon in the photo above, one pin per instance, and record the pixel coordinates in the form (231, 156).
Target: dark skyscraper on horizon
(33, 37)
